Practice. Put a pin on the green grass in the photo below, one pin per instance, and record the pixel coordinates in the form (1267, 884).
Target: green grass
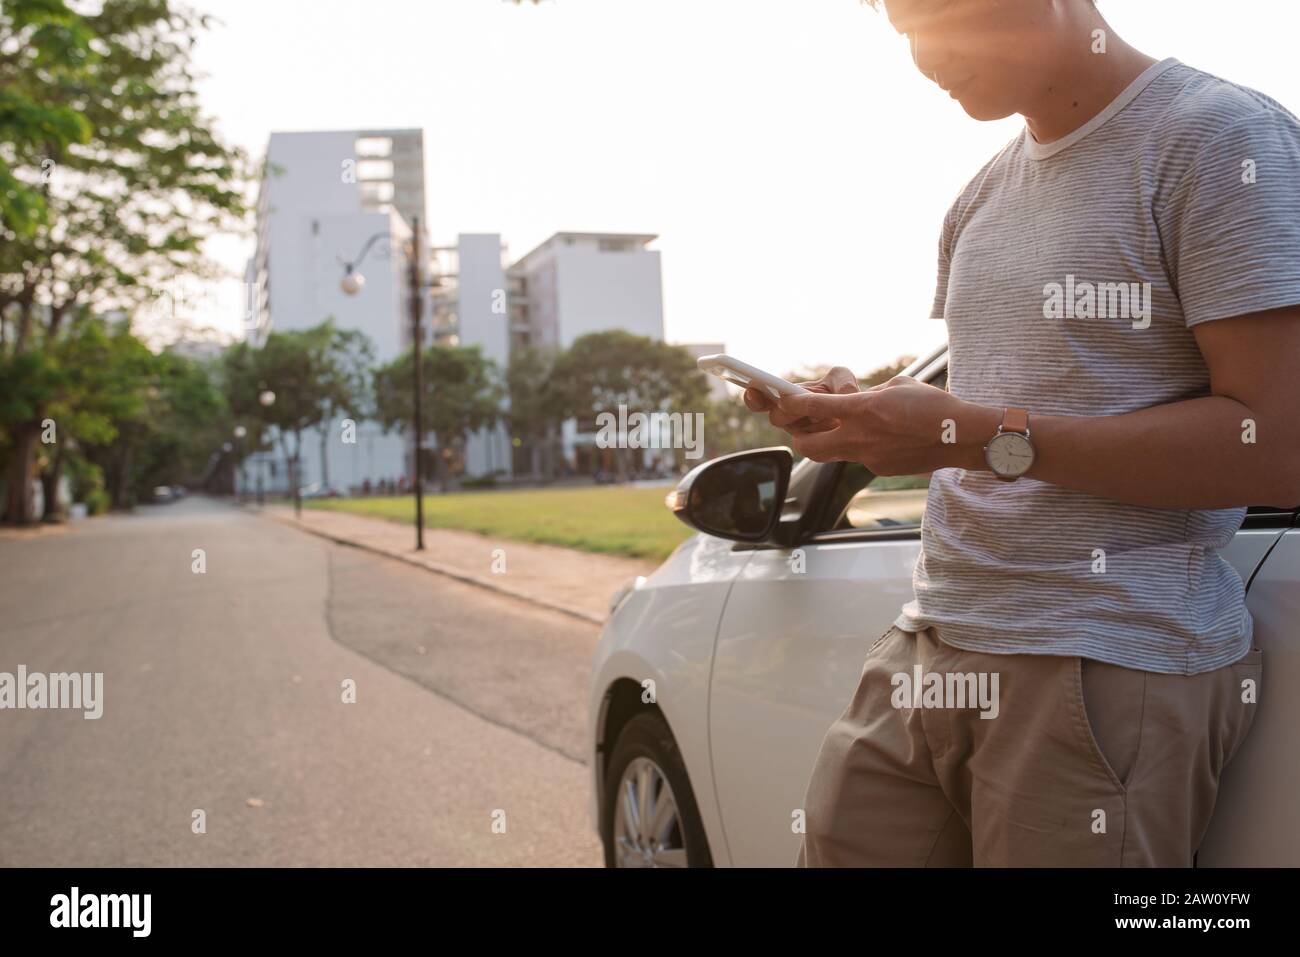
(615, 520)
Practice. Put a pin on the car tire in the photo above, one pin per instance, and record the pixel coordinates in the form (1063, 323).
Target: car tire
(646, 760)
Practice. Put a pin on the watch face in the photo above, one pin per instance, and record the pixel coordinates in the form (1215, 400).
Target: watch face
(1009, 454)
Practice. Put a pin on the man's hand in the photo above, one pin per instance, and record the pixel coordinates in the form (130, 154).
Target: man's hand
(838, 380)
(901, 427)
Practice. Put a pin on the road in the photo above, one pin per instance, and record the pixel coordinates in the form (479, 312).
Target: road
(223, 692)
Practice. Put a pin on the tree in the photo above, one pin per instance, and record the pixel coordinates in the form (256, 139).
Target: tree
(41, 42)
(84, 384)
(315, 373)
(128, 206)
(461, 395)
(345, 357)
(535, 406)
(603, 370)
(185, 418)
(732, 427)
(168, 418)
(103, 388)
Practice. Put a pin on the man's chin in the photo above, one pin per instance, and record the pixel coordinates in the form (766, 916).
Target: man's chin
(984, 111)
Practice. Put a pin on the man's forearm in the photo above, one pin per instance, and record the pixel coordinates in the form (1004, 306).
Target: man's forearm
(1209, 452)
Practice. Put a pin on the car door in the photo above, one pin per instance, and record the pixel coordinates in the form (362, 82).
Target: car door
(793, 640)
(791, 645)
(1255, 821)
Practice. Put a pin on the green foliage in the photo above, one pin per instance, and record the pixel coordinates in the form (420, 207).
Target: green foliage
(97, 502)
(729, 426)
(130, 199)
(314, 374)
(83, 381)
(461, 392)
(110, 181)
(184, 418)
(86, 480)
(603, 370)
(534, 403)
(41, 42)
(144, 419)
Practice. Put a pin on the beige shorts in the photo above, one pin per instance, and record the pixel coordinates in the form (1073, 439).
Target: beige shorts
(1056, 761)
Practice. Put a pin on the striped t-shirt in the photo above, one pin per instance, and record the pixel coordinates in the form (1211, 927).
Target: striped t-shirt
(1070, 276)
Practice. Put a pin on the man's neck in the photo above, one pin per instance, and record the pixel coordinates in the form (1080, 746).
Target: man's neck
(1081, 86)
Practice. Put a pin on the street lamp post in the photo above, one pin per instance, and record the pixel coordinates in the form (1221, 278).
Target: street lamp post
(352, 284)
(266, 399)
(417, 309)
(240, 432)
(227, 449)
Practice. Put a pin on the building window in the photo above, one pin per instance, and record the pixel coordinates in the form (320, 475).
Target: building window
(377, 192)
(614, 246)
(375, 169)
(374, 146)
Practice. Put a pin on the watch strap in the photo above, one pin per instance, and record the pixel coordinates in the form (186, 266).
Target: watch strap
(1015, 420)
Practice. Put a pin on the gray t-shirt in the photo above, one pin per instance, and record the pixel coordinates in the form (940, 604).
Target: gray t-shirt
(1070, 277)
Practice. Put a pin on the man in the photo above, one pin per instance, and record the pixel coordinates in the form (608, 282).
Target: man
(1121, 286)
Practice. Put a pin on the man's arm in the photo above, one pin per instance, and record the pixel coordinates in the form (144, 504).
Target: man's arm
(1239, 446)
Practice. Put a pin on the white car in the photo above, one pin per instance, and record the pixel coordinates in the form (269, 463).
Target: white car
(717, 677)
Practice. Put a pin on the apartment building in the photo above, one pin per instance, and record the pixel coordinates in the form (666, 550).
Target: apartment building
(328, 199)
(568, 286)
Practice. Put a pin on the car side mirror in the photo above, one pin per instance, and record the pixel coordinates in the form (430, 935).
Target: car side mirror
(737, 497)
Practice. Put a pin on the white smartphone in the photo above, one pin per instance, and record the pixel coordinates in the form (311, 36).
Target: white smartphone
(747, 376)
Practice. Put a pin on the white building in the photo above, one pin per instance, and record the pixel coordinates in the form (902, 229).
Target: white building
(578, 283)
(571, 285)
(471, 308)
(326, 199)
(329, 199)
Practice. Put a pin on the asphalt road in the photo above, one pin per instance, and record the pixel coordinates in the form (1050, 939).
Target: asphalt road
(223, 692)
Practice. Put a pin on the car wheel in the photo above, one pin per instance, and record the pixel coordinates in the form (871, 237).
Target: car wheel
(650, 817)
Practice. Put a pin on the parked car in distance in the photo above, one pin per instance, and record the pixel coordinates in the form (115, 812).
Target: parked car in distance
(317, 490)
(717, 676)
(163, 493)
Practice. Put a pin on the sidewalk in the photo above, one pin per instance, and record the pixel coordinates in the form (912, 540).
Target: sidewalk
(563, 579)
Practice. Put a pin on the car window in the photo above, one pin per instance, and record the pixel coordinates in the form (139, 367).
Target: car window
(863, 500)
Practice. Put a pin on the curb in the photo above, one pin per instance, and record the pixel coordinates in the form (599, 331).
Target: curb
(439, 569)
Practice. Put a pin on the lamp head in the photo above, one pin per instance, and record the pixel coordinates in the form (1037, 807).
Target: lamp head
(352, 282)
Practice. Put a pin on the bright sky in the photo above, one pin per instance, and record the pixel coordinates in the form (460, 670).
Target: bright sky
(793, 162)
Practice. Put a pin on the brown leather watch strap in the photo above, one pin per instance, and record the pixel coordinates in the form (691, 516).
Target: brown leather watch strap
(1015, 420)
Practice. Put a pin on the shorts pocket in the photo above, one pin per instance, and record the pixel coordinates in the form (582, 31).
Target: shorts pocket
(881, 640)
(1243, 696)
(1111, 732)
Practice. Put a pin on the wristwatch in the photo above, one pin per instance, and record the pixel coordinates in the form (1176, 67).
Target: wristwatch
(1009, 453)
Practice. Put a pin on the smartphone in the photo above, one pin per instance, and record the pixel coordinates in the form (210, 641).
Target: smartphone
(747, 376)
